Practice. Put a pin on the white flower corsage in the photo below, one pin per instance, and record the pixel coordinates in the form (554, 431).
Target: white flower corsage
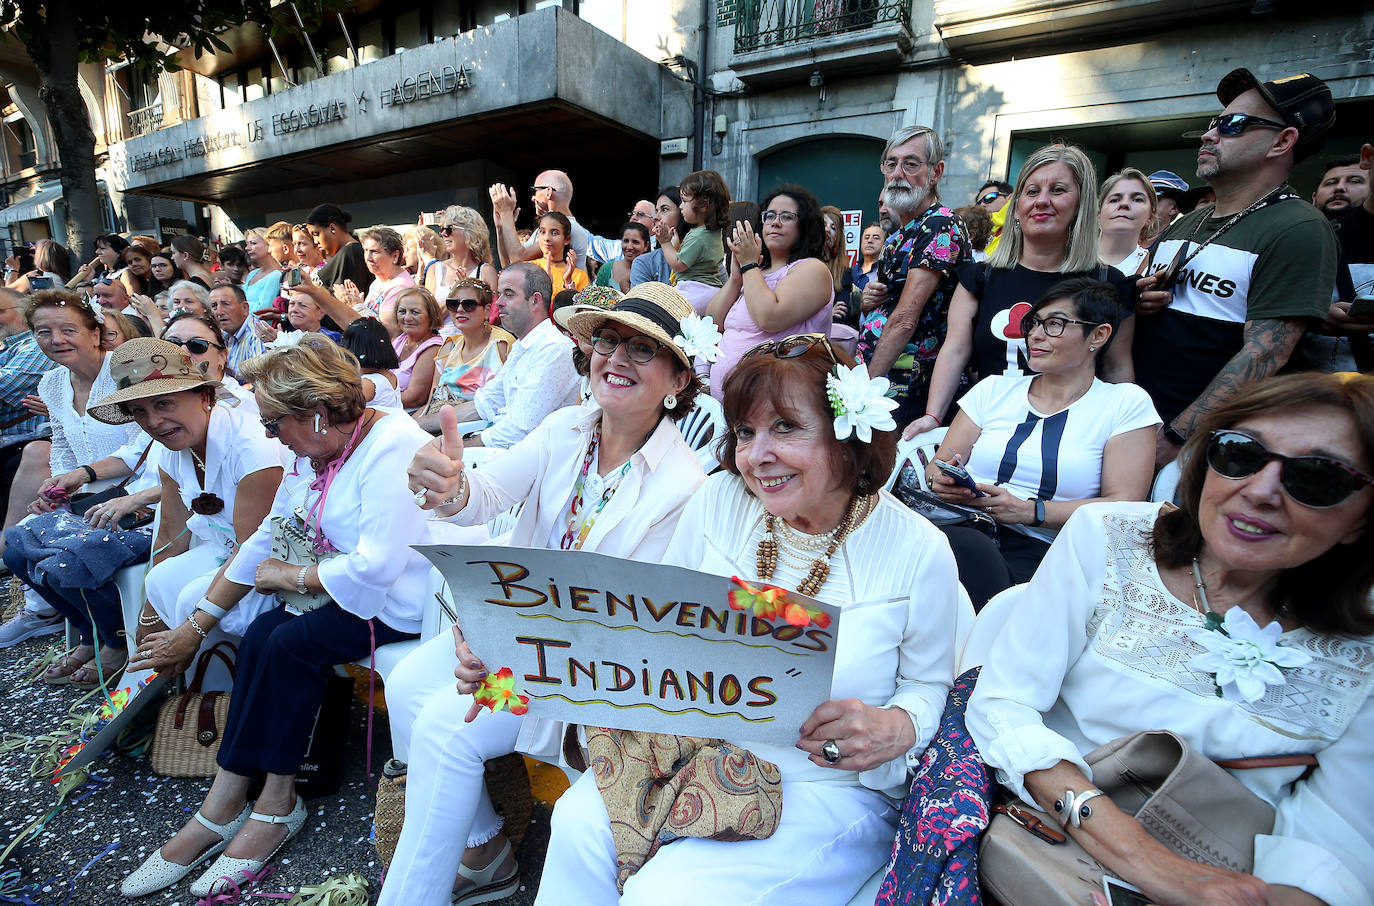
(859, 402)
(97, 312)
(287, 338)
(1244, 658)
(699, 337)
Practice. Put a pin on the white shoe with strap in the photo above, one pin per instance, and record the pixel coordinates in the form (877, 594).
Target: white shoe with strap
(157, 872)
(228, 869)
(486, 886)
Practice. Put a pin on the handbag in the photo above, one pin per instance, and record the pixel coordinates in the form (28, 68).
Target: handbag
(186, 740)
(321, 771)
(1183, 799)
(291, 543)
(941, 513)
(80, 503)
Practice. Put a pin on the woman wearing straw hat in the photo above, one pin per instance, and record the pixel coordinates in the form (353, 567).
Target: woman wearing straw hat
(623, 456)
(345, 500)
(219, 473)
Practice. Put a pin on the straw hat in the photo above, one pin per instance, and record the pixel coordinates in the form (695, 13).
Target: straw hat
(142, 368)
(654, 309)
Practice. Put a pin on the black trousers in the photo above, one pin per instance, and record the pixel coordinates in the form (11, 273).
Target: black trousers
(987, 567)
(283, 668)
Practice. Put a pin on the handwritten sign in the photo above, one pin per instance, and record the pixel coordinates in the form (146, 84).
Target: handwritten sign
(853, 233)
(602, 641)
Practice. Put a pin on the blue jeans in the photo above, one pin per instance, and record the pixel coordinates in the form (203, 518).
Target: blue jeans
(84, 607)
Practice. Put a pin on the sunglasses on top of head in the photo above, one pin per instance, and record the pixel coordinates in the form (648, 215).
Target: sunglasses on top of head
(1314, 481)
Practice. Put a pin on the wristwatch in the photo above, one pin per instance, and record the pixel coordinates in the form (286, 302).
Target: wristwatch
(1172, 436)
(1039, 512)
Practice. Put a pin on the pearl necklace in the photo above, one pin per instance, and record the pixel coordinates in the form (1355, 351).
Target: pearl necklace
(819, 571)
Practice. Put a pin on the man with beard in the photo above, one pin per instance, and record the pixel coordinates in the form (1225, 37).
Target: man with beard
(1346, 340)
(906, 305)
(1344, 185)
(1232, 288)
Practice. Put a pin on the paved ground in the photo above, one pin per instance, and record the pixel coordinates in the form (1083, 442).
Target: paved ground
(139, 810)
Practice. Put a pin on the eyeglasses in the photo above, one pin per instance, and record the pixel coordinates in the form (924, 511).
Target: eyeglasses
(447, 229)
(909, 165)
(1236, 123)
(464, 304)
(646, 215)
(541, 188)
(1315, 481)
(990, 197)
(640, 349)
(272, 425)
(102, 281)
(195, 345)
(1052, 326)
(794, 346)
(779, 216)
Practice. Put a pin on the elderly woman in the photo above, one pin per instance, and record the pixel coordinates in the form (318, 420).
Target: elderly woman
(474, 354)
(362, 585)
(800, 507)
(418, 315)
(1149, 616)
(778, 283)
(1125, 207)
(262, 285)
(189, 296)
(383, 248)
(1040, 446)
(624, 457)
(1051, 237)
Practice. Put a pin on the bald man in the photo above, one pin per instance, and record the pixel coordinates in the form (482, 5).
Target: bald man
(552, 191)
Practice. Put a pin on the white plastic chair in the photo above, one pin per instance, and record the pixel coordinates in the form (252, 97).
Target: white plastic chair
(1165, 487)
(918, 451)
(702, 427)
(435, 619)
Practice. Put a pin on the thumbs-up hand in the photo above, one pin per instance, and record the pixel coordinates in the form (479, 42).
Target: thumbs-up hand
(435, 474)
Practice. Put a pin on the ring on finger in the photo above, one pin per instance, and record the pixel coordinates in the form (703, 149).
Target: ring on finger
(420, 496)
(830, 752)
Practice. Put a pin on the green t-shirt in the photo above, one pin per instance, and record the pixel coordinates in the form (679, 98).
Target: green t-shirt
(702, 251)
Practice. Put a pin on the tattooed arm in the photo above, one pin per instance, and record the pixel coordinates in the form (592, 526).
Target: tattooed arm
(1267, 346)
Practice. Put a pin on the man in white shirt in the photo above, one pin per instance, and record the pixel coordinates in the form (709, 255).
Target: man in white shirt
(538, 376)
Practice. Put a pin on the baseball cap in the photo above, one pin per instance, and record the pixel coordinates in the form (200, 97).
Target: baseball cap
(1303, 100)
(1168, 180)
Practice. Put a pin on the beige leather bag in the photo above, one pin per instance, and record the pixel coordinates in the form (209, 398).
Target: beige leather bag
(1182, 799)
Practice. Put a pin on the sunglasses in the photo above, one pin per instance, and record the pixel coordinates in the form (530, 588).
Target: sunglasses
(1315, 481)
(464, 304)
(272, 425)
(990, 197)
(640, 349)
(794, 346)
(195, 345)
(447, 230)
(1236, 123)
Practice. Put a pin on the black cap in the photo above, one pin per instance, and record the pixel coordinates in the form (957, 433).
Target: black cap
(1303, 100)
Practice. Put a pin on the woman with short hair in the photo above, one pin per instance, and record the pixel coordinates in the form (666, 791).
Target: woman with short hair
(189, 296)
(346, 493)
(1239, 620)
(418, 316)
(371, 345)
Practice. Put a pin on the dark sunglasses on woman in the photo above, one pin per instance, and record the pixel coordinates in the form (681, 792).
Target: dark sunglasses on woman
(1315, 481)
(195, 345)
(464, 304)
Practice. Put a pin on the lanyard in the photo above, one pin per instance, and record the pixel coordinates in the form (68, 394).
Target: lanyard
(577, 532)
(1282, 193)
(322, 483)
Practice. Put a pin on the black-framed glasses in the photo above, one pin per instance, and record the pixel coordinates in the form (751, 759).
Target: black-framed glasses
(1053, 326)
(1236, 123)
(464, 304)
(640, 349)
(990, 197)
(272, 425)
(779, 216)
(794, 346)
(1315, 481)
(195, 345)
(541, 188)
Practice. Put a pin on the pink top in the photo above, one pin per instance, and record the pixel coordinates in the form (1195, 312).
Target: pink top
(408, 363)
(741, 334)
(381, 295)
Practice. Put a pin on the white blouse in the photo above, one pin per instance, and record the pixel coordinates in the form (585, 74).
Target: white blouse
(77, 438)
(371, 517)
(894, 579)
(386, 396)
(1095, 647)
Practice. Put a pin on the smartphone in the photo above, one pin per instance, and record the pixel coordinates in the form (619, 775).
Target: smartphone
(1362, 307)
(292, 278)
(1119, 893)
(960, 475)
(37, 283)
(429, 218)
(1172, 272)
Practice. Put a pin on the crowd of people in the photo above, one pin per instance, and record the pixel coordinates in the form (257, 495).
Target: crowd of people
(273, 426)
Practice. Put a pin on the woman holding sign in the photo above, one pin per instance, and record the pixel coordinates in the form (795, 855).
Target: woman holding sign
(809, 444)
(611, 478)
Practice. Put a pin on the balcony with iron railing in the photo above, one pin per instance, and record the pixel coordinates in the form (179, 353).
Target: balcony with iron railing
(145, 119)
(780, 40)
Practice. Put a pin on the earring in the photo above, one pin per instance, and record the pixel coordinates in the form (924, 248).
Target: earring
(318, 429)
(670, 401)
(1092, 349)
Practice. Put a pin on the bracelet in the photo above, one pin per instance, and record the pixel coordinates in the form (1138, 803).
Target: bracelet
(144, 621)
(745, 268)
(1073, 807)
(211, 609)
(462, 490)
(936, 419)
(90, 473)
(300, 581)
(1172, 435)
(203, 633)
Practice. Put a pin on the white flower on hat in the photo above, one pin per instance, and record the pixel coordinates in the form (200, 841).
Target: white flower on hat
(97, 312)
(699, 337)
(859, 402)
(1244, 658)
(287, 338)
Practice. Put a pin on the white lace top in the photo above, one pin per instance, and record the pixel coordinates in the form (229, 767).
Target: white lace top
(77, 438)
(1095, 647)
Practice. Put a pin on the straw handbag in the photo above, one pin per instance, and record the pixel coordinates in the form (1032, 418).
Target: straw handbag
(186, 741)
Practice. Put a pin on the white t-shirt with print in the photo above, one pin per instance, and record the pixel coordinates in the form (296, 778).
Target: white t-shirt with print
(1049, 456)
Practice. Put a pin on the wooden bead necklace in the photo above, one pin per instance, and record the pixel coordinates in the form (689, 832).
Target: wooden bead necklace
(820, 567)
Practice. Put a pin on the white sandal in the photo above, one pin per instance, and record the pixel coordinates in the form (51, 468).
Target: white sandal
(487, 888)
(229, 869)
(157, 872)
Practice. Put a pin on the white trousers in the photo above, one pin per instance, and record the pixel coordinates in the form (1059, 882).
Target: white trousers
(447, 807)
(830, 841)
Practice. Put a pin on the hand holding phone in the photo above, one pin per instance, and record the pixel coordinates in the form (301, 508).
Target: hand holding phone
(960, 475)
